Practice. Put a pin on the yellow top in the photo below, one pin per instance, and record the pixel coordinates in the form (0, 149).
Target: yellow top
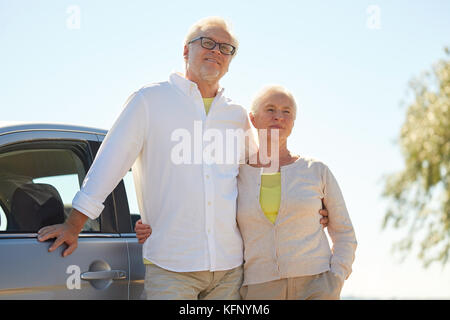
(270, 195)
(207, 102)
(269, 199)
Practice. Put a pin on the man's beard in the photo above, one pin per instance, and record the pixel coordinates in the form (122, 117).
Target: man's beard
(209, 74)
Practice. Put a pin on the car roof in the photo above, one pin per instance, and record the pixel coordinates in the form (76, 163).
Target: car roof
(15, 126)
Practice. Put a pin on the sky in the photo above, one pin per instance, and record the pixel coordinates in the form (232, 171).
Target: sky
(348, 64)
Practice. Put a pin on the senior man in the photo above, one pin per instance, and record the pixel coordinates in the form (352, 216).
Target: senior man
(195, 250)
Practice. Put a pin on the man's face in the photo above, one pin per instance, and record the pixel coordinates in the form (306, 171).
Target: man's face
(204, 64)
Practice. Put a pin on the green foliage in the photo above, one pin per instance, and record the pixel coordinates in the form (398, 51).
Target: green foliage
(420, 194)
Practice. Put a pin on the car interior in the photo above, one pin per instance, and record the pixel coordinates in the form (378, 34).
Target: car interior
(29, 205)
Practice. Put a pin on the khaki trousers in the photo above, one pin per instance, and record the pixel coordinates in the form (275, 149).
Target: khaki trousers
(323, 286)
(162, 284)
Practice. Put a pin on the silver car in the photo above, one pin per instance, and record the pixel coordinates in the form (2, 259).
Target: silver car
(41, 168)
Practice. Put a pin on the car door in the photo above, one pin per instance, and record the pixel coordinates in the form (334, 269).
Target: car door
(40, 172)
(127, 210)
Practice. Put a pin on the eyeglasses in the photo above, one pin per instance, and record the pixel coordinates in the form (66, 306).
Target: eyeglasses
(210, 44)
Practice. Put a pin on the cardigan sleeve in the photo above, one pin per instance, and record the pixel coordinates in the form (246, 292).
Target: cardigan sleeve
(340, 227)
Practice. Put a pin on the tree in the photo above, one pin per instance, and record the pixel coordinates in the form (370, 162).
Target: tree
(420, 194)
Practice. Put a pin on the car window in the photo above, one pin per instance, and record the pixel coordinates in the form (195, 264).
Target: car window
(67, 186)
(2, 220)
(37, 186)
(131, 196)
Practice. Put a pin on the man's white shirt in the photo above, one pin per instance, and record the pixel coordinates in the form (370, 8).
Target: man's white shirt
(190, 203)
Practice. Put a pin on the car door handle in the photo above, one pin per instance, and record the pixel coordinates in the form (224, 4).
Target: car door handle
(104, 275)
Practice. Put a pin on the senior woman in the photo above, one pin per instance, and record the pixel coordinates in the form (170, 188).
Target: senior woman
(286, 252)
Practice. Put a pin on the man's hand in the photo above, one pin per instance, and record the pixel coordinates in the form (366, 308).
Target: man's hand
(64, 233)
(324, 220)
(143, 231)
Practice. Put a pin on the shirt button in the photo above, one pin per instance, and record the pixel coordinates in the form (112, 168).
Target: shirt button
(209, 203)
(207, 176)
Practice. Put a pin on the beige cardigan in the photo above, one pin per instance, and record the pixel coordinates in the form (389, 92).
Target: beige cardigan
(296, 245)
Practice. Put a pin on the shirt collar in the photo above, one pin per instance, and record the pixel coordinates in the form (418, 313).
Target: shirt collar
(186, 86)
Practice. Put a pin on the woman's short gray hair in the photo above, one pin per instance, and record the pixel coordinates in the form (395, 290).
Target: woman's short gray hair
(196, 29)
(271, 89)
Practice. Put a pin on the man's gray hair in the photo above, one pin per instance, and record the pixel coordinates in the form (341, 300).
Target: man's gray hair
(196, 29)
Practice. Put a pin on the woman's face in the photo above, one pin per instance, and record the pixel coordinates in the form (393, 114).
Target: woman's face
(275, 111)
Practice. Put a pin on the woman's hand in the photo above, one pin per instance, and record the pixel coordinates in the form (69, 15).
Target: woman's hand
(143, 231)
